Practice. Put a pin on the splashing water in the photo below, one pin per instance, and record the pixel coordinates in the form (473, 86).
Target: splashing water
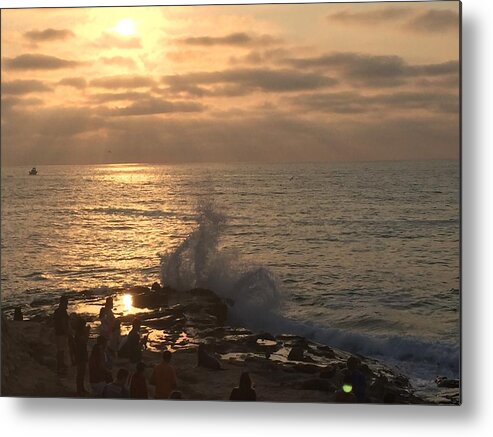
(255, 295)
(200, 262)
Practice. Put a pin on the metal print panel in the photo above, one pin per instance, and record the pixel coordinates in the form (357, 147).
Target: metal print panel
(243, 202)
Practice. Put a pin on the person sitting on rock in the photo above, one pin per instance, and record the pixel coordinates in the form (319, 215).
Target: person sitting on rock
(358, 379)
(164, 377)
(132, 347)
(62, 332)
(244, 392)
(99, 375)
(117, 389)
(138, 383)
(81, 356)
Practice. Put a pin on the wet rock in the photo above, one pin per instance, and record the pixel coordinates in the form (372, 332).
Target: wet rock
(378, 387)
(150, 300)
(207, 360)
(318, 384)
(138, 289)
(328, 372)
(306, 368)
(156, 287)
(327, 351)
(401, 381)
(165, 322)
(297, 353)
(444, 382)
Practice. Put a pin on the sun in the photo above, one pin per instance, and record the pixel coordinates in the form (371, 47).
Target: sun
(125, 27)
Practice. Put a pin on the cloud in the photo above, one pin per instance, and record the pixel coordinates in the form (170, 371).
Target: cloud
(280, 138)
(430, 21)
(116, 97)
(434, 21)
(75, 82)
(115, 82)
(451, 82)
(252, 79)
(13, 101)
(118, 60)
(49, 135)
(31, 61)
(261, 56)
(370, 17)
(111, 40)
(355, 103)
(239, 39)
(157, 106)
(77, 135)
(54, 122)
(48, 35)
(19, 87)
(373, 70)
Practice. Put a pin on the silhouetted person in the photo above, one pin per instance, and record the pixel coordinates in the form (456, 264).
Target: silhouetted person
(132, 348)
(345, 394)
(81, 356)
(118, 388)
(244, 392)
(99, 375)
(107, 318)
(358, 379)
(18, 317)
(62, 331)
(164, 377)
(114, 341)
(138, 383)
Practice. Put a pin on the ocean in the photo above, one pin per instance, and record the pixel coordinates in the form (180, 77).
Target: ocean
(361, 256)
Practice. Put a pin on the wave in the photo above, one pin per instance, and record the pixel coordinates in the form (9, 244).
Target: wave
(256, 297)
(134, 212)
(37, 276)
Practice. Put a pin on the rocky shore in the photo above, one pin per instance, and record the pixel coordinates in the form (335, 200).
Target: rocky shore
(284, 368)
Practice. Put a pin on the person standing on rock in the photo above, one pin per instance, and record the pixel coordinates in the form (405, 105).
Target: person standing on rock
(81, 355)
(346, 395)
(99, 374)
(107, 318)
(132, 347)
(62, 332)
(114, 342)
(358, 379)
(164, 377)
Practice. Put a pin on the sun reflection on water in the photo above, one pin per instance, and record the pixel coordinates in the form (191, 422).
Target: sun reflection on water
(127, 302)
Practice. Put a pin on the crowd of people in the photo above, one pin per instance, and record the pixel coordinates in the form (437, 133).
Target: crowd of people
(72, 337)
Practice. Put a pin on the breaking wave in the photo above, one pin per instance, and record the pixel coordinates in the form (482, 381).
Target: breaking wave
(255, 297)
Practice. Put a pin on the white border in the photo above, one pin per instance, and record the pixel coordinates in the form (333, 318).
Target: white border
(87, 418)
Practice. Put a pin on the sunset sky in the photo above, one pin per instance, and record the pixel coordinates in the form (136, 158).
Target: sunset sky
(326, 82)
